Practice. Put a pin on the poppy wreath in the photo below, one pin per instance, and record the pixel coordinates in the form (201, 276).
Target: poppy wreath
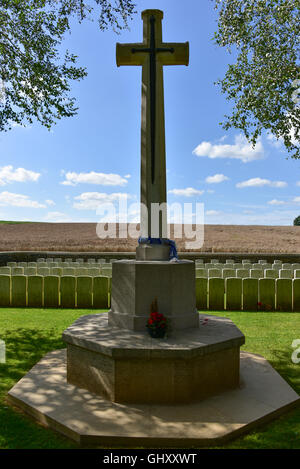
(157, 323)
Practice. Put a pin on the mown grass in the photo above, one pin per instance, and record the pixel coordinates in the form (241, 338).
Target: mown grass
(30, 333)
(271, 335)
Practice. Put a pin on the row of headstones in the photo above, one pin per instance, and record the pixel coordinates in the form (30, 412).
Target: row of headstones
(45, 270)
(49, 260)
(249, 294)
(246, 273)
(88, 292)
(54, 291)
(61, 263)
(261, 269)
(245, 263)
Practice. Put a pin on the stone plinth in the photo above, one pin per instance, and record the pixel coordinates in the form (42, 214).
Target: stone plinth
(153, 252)
(131, 367)
(135, 284)
(88, 419)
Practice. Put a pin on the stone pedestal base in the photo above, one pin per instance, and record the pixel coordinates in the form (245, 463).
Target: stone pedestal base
(135, 284)
(152, 252)
(45, 395)
(130, 367)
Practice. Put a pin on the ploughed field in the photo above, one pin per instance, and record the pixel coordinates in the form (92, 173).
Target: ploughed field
(83, 237)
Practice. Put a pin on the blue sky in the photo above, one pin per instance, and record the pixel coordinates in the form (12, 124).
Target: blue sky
(62, 175)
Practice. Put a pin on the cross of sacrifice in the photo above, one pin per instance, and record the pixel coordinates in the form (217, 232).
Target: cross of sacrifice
(152, 54)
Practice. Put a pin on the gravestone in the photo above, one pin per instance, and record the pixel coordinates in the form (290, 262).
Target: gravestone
(35, 291)
(296, 294)
(5, 270)
(216, 294)
(284, 294)
(201, 293)
(242, 273)
(271, 273)
(56, 271)
(51, 291)
(30, 271)
(250, 294)
(67, 291)
(5, 281)
(43, 271)
(203, 273)
(286, 273)
(256, 273)
(266, 287)
(17, 271)
(84, 292)
(18, 290)
(100, 292)
(214, 273)
(233, 294)
(228, 273)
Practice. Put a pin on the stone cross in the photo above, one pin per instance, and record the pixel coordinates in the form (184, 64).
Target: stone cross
(152, 54)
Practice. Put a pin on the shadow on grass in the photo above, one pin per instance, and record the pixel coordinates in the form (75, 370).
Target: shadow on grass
(284, 431)
(290, 372)
(24, 348)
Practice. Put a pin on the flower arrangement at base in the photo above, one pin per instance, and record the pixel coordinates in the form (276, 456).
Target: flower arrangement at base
(157, 323)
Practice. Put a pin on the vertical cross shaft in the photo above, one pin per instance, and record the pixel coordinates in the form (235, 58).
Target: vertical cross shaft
(153, 50)
(152, 55)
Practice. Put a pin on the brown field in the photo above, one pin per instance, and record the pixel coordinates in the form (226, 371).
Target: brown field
(82, 237)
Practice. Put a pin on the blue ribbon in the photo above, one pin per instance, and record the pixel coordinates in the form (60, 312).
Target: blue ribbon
(169, 242)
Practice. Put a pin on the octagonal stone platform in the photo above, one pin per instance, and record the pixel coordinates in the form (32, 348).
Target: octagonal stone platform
(131, 367)
(90, 419)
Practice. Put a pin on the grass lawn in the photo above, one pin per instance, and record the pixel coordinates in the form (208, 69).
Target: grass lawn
(31, 333)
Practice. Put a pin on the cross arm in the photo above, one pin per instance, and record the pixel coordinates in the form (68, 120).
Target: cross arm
(179, 55)
(125, 56)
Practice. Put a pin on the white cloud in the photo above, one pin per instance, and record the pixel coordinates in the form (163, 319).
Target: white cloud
(72, 179)
(216, 179)
(276, 202)
(268, 218)
(18, 200)
(92, 200)
(296, 200)
(212, 212)
(188, 192)
(50, 202)
(241, 150)
(274, 142)
(9, 175)
(57, 217)
(222, 138)
(259, 182)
